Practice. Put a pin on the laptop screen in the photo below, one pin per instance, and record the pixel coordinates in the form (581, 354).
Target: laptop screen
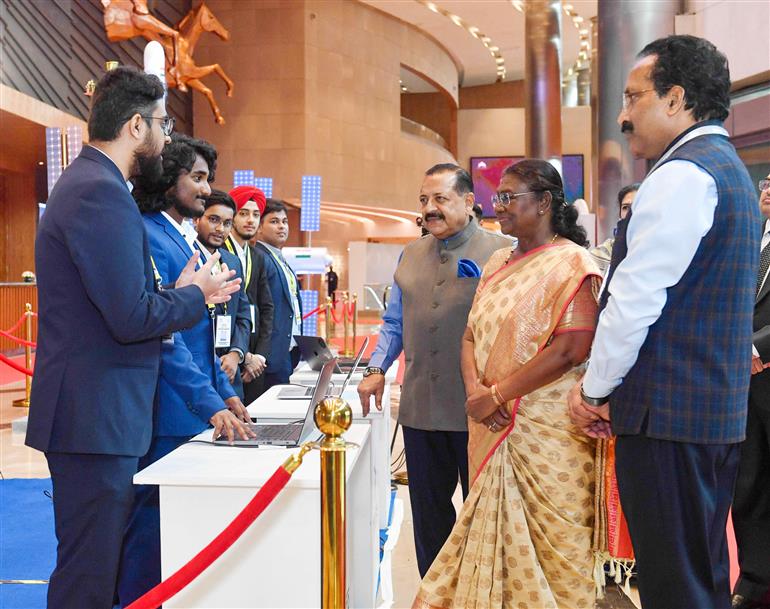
(320, 391)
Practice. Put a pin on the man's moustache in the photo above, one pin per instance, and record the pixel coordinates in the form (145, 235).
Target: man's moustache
(627, 127)
(432, 216)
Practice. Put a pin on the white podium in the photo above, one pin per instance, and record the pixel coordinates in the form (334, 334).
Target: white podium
(277, 561)
(303, 375)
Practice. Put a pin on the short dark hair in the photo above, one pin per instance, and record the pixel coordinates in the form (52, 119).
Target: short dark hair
(272, 206)
(540, 177)
(626, 189)
(120, 94)
(478, 211)
(178, 156)
(463, 182)
(698, 67)
(219, 197)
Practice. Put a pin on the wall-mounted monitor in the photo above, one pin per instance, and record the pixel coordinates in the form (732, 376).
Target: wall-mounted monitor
(486, 172)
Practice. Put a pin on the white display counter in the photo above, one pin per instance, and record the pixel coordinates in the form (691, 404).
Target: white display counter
(277, 561)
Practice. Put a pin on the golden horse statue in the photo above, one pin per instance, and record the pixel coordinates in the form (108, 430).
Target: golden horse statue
(124, 19)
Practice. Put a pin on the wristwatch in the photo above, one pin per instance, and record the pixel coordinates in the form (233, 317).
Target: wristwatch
(593, 401)
(373, 370)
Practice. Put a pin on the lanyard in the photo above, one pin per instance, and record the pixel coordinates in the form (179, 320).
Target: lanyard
(247, 270)
(291, 279)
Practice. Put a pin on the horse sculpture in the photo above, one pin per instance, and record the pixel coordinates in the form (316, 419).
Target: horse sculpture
(125, 19)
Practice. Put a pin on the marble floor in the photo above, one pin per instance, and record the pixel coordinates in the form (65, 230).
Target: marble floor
(19, 461)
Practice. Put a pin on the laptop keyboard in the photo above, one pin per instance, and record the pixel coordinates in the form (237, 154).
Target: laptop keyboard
(276, 432)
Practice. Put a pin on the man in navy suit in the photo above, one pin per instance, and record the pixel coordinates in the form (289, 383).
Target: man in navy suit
(213, 228)
(284, 288)
(193, 390)
(101, 320)
(751, 502)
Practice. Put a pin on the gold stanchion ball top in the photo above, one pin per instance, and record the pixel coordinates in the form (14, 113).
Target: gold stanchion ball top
(333, 416)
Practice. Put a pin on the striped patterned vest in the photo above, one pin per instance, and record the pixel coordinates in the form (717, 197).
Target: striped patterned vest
(690, 381)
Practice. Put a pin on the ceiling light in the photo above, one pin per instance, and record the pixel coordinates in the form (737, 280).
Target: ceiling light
(577, 19)
(432, 6)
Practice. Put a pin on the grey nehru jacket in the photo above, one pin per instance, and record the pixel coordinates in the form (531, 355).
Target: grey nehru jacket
(436, 303)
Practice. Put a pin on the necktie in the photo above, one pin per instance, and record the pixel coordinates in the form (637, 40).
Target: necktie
(764, 264)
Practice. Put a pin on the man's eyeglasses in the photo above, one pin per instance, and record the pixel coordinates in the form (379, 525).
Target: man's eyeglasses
(763, 184)
(504, 199)
(216, 221)
(629, 97)
(167, 124)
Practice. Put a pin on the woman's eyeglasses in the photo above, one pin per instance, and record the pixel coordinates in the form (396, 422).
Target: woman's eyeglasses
(504, 199)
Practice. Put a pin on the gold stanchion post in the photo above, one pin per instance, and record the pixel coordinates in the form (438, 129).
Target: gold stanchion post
(345, 319)
(328, 319)
(354, 348)
(333, 417)
(24, 402)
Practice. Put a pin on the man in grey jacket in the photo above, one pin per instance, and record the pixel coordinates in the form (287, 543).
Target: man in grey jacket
(432, 294)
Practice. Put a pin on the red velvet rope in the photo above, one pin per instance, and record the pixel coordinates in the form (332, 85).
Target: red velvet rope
(16, 339)
(203, 559)
(351, 309)
(334, 316)
(17, 325)
(314, 311)
(14, 365)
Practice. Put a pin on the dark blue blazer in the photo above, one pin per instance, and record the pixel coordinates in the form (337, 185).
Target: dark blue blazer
(101, 318)
(239, 311)
(279, 362)
(192, 385)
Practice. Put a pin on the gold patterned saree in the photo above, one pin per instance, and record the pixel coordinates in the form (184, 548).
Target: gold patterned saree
(523, 538)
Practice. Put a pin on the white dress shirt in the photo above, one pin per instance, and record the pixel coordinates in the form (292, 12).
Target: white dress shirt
(186, 230)
(672, 212)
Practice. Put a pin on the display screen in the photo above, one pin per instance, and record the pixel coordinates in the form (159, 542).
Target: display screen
(486, 172)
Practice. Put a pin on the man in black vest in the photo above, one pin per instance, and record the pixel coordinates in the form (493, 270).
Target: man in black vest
(669, 367)
(751, 505)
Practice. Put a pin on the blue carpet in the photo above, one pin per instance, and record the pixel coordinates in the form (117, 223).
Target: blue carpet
(28, 546)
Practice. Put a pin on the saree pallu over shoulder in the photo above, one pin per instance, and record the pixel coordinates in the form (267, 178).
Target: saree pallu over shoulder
(523, 538)
(518, 308)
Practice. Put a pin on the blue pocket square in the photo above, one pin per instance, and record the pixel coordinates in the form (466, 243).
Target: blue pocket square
(467, 268)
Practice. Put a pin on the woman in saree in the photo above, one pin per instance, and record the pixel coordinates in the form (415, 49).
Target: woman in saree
(524, 536)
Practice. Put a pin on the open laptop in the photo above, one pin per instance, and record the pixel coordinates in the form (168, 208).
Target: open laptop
(315, 352)
(295, 392)
(290, 434)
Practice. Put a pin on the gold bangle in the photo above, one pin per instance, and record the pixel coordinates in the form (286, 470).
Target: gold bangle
(493, 391)
(500, 396)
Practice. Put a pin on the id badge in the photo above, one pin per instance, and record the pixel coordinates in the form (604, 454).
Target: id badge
(222, 333)
(253, 310)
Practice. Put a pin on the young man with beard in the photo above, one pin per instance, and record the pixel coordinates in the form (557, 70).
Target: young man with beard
(193, 391)
(100, 327)
(284, 287)
(232, 319)
(250, 204)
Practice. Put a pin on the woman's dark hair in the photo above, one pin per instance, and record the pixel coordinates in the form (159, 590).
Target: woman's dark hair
(178, 156)
(272, 206)
(698, 67)
(219, 197)
(626, 189)
(540, 176)
(119, 95)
